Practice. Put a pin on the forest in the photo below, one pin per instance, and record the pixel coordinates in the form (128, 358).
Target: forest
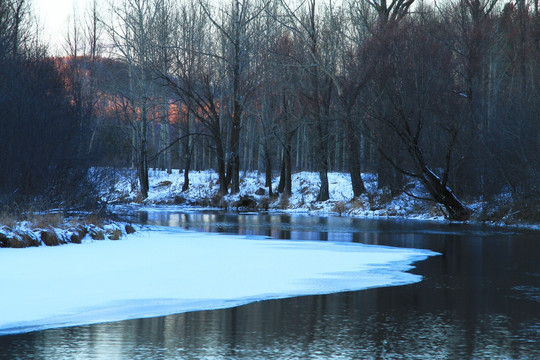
(442, 93)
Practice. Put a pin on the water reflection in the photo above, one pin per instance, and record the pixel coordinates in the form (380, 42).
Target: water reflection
(381, 323)
(479, 300)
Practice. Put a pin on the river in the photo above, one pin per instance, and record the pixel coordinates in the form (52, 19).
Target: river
(480, 299)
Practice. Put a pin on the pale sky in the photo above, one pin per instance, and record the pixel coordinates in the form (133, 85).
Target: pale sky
(53, 17)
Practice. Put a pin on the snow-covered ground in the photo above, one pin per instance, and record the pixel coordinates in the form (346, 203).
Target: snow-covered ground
(164, 271)
(167, 189)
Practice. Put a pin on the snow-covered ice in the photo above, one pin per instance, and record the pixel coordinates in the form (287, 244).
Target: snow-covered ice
(164, 271)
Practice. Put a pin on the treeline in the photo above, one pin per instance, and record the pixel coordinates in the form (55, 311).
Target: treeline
(41, 163)
(443, 93)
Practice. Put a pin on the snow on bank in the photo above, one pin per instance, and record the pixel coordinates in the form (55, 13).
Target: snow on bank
(25, 233)
(166, 271)
(167, 189)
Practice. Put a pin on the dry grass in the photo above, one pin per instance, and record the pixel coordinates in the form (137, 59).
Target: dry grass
(37, 220)
(339, 207)
(218, 201)
(115, 234)
(264, 203)
(139, 199)
(7, 219)
(527, 210)
(32, 228)
(44, 221)
(283, 201)
(50, 238)
(94, 219)
(436, 210)
(521, 210)
(164, 183)
(357, 204)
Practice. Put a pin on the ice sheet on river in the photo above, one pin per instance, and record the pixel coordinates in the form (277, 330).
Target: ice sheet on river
(164, 271)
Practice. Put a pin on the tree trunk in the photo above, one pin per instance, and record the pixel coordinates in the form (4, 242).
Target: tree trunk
(437, 188)
(187, 150)
(143, 161)
(268, 171)
(443, 195)
(185, 186)
(322, 156)
(143, 170)
(234, 174)
(282, 175)
(324, 193)
(355, 166)
(187, 168)
(223, 182)
(288, 165)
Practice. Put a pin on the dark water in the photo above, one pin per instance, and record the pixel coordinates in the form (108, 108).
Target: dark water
(480, 300)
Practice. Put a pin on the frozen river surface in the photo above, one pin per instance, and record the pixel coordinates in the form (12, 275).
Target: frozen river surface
(480, 299)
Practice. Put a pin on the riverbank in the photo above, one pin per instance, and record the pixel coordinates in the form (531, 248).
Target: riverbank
(53, 229)
(166, 189)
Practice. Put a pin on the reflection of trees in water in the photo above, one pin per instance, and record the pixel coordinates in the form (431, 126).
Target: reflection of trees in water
(470, 304)
(377, 323)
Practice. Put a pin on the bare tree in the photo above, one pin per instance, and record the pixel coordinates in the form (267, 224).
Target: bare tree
(415, 98)
(197, 80)
(83, 47)
(235, 26)
(390, 11)
(289, 112)
(15, 26)
(319, 65)
(130, 30)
